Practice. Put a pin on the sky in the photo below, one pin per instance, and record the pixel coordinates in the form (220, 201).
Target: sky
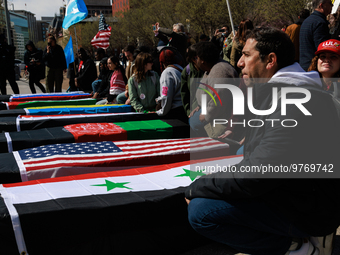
(38, 7)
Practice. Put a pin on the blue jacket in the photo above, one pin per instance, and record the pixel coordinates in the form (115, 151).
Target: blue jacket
(314, 30)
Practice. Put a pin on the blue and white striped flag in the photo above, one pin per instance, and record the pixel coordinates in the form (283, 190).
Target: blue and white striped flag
(75, 11)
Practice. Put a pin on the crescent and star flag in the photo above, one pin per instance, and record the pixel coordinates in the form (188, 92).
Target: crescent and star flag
(53, 216)
(75, 11)
(68, 50)
(101, 39)
(66, 159)
(94, 132)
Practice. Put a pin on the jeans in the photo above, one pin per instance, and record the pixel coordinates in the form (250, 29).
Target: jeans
(121, 98)
(247, 225)
(95, 85)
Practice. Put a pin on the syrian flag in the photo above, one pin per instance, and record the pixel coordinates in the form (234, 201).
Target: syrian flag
(70, 109)
(33, 122)
(65, 213)
(76, 158)
(94, 132)
(28, 104)
(101, 40)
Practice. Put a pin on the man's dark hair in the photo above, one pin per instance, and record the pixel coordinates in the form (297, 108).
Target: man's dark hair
(101, 51)
(208, 52)
(304, 14)
(270, 40)
(191, 53)
(130, 48)
(316, 3)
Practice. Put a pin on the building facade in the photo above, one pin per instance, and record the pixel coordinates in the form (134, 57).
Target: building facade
(20, 34)
(95, 7)
(120, 6)
(42, 29)
(32, 24)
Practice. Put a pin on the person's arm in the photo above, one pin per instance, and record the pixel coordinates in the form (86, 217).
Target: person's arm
(134, 97)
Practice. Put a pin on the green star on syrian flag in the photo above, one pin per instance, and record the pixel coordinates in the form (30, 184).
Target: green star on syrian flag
(192, 174)
(112, 185)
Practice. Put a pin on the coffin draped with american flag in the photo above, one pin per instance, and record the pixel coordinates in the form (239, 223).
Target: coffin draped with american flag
(76, 158)
(94, 132)
(134, 211)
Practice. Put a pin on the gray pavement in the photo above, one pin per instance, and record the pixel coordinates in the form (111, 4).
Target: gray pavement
(24, 88)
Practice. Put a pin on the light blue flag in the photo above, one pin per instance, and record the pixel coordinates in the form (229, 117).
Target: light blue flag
(75, 11)
(69, 52)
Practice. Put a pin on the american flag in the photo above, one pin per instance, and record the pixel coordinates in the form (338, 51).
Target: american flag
(101, 40)
(50, 158)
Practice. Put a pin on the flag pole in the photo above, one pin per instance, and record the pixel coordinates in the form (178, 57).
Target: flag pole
(231, 18)
(75, 34)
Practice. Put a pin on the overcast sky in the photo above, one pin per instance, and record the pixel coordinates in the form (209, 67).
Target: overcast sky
(38, 7)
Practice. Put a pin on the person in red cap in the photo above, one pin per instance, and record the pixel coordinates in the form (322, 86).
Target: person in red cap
(327, 62)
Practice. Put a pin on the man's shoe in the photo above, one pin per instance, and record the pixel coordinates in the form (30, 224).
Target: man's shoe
(307, 248)
(324, 243)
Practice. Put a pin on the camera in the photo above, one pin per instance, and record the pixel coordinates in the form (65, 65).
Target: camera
(49, 44)
(221, 30)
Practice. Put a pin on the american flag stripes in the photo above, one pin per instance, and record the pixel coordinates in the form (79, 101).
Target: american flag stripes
(45, 161)
(101, 40)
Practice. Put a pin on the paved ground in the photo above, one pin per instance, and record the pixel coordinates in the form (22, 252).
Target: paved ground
(25, 89)
(209, 249)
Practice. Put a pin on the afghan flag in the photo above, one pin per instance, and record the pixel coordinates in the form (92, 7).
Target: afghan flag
(22, 104)
(69, 215)
(76, 158)
(45, 96)
(71, 109)
(32, 122)
(94, 132)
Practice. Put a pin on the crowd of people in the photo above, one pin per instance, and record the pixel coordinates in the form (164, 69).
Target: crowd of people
(178, 81)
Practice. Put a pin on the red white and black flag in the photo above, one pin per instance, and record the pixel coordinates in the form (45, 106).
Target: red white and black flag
(101, 40)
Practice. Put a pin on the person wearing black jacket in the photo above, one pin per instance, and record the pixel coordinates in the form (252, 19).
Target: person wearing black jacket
(7, 71)
(278, 213)
(35, 66)
(87, 72)
(55, 61)
(175, 37)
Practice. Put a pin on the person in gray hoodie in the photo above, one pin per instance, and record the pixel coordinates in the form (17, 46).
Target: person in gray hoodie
(171, 106)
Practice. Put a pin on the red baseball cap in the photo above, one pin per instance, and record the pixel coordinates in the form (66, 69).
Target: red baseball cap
(330, 46)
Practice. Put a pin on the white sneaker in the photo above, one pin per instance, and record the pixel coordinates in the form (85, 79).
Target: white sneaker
(307, 248)
(324, 243)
